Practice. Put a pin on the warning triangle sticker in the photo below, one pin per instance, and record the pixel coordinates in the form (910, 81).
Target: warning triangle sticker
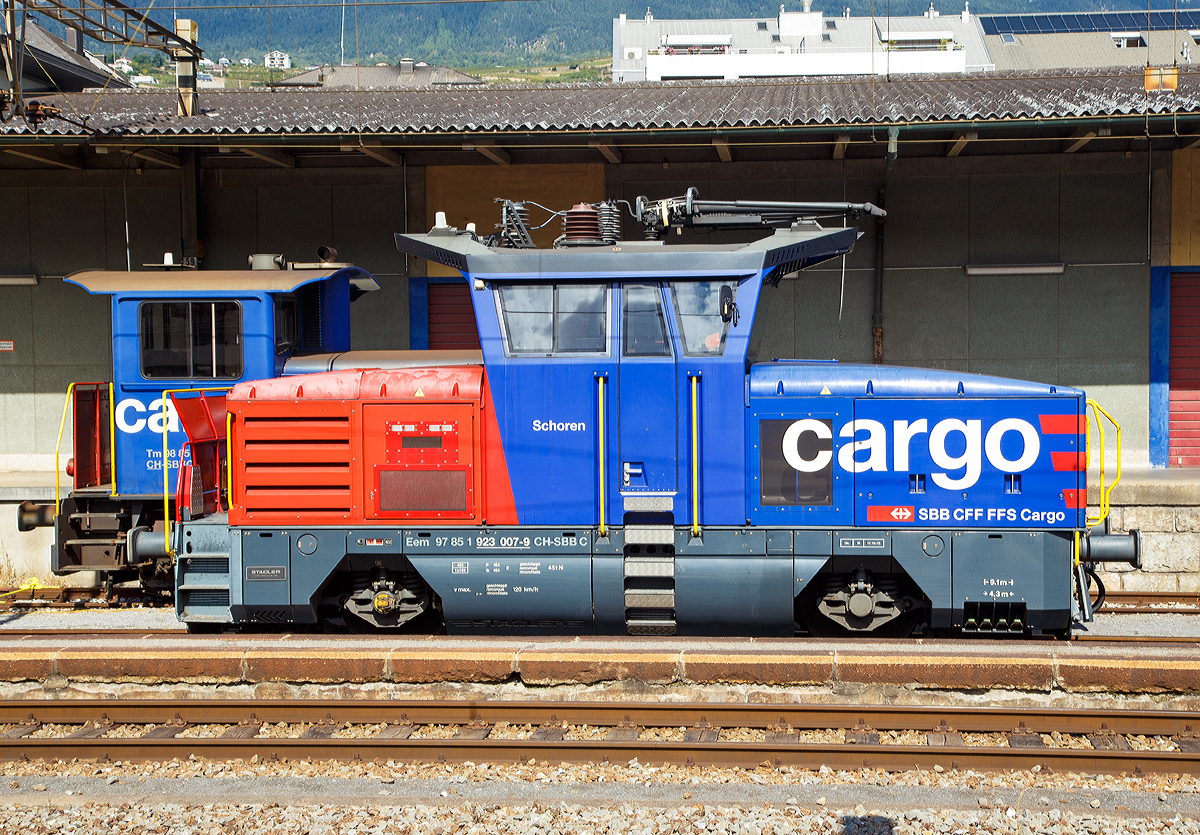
(825, 390)
(422, 394)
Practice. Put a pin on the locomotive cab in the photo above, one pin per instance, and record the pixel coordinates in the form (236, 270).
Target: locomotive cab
(175, 333)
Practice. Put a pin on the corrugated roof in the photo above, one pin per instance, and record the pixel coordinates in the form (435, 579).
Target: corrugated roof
(792, 102)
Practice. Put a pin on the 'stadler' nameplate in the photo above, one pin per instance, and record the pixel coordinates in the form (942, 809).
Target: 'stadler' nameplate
(266, 572)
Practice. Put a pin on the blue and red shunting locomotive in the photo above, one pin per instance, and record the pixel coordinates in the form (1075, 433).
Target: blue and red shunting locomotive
(608, 464)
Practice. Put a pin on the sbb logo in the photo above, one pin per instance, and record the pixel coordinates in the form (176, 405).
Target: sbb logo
(871, 452)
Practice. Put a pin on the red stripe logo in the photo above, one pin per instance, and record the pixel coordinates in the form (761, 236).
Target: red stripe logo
(890, 513)
(1063, 425)
(1075, 499)
(1069, 461)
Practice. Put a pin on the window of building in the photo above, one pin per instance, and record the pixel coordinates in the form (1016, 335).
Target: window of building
(1008, 38)
(762, 26)
(774, 39)
(191, 340)
(1128, 40)
(555, 319)
(698, 309)
(645, 330)
(826, 37)
(831, 24)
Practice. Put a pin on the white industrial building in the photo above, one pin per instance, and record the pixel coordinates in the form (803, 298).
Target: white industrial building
(796, 44)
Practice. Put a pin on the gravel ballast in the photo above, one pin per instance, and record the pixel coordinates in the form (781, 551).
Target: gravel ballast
(197, 796)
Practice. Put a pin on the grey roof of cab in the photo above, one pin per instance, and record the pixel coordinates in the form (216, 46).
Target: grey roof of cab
(211, 281)
(790, 249)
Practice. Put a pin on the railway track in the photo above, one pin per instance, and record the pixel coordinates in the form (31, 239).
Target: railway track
(841, 737)
(1152, 602)
(77, 597)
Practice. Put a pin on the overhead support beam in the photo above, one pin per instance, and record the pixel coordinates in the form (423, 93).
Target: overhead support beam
(1195, 143)
(158, 157)
(490, 150)
(960, 142)
(376, 152)
(839, 145)
(1082, 137)
(268, 155)
(722, 146)
(47, 156)
(610, 151)
(384, 155)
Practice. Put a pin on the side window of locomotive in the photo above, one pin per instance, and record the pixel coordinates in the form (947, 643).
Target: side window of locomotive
(555, 319)
(698, 309)
(645, 333)
(190, 340)
(796, 462)
(287, 323)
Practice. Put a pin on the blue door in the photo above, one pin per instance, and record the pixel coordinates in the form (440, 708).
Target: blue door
(647, 463)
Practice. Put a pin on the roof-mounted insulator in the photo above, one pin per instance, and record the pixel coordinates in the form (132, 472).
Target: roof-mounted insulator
(581, 226)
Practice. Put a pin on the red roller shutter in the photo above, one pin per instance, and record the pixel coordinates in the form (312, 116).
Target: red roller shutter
(451, 317)
(1185, 371)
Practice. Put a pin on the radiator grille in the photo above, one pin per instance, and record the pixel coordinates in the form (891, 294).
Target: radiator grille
(422, 490)
(206, 565)
(296, 463)
(206, 597)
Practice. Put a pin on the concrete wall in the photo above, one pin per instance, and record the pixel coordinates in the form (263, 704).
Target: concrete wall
(1087, 327)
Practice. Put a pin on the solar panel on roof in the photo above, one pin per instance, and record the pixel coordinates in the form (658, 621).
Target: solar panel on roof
(1097, 22)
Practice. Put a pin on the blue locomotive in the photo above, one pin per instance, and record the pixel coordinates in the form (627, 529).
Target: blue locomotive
(611, 464)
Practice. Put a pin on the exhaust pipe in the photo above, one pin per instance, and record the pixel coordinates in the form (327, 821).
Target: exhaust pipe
(1098, 548)
(32, 515)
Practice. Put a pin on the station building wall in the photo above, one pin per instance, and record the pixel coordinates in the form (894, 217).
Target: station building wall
(1087, 327)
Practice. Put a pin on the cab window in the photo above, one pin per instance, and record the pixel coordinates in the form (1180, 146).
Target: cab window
(698, 309)
(555, 319)
(645, 331)
(190, 340)
(287, 323)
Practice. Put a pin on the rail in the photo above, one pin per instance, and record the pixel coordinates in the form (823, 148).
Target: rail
(1108, 740)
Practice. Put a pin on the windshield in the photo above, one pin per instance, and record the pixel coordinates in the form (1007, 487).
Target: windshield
(698, 308)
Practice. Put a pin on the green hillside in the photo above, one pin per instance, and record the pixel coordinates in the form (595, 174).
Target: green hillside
(511, 33)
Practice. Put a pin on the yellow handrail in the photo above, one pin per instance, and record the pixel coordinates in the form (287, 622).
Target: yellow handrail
(603, 483)
(1105, 495)
(166, 462)
(57, 446)
(695, 457)
(112, 437)
(228, 466)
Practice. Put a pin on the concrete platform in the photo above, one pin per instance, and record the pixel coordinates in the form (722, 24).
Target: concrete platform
(17, 487)
(57, 663)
